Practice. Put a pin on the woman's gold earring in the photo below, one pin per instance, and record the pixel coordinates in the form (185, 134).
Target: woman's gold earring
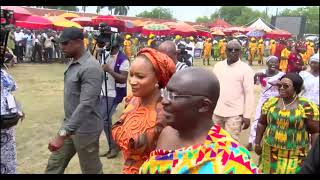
(156, 85)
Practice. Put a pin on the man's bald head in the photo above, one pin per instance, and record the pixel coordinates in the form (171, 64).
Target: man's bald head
(196, 81)
(233, 44)
(233, 51)
(169, 48)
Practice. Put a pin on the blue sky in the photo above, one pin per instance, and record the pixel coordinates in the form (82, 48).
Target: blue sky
(190, 13)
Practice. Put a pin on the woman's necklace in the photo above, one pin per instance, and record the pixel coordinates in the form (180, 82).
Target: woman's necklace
(285, 106)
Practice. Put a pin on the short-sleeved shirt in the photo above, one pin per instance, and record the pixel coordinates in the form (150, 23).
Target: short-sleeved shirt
(111, 83)
(287, 129)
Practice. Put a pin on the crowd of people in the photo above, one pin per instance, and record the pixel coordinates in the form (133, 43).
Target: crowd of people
(167, 125)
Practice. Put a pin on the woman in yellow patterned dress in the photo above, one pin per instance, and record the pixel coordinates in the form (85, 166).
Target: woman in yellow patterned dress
(283, 130)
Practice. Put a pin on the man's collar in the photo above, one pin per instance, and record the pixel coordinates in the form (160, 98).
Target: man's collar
(83, 58)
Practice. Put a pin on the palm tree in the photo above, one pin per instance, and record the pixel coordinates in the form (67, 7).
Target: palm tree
(110, 8)
(121, 10)
(84, 8)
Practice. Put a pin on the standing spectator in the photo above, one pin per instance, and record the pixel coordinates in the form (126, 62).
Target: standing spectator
(8, 135)
(82, 125)
(265, 79)
(283, 131)
(311, 80)
(116, 67)
(37, 49)
(169, 48)
(207, 51)
(280, 45)
(29, 44)
(190, 48)
(18, 37)
(284, 58)
(48, 47)
(139, 126)
(236, 101)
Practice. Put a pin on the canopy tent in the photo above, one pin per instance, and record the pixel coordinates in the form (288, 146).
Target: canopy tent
(83, 21)
(137, 22)
(34, 22)
(259, 24)
(156, 29)
(183, 29)
(69, 16)
(278, 34)
(256, 33)
(131, 28)
(110, 21)
(220, 23)
(218, 33)
(235, 29)
(60, 23)
(18, 12)
(169, 24)
(217, 29)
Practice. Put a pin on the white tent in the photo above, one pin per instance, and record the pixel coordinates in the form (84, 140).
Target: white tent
(260, 25)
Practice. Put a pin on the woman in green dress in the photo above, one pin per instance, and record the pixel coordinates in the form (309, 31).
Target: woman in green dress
(283, 131)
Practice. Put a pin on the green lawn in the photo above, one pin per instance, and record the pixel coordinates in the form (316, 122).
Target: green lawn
(40, 90)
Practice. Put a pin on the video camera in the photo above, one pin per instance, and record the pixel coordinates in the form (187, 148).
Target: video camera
(183, 55)
(105, 37)
(6, 19)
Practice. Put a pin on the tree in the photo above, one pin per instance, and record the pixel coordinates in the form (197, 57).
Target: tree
(238, 15)
(158, 12)
(121, 10)
(203, 19)
(110, 8)
(67, 8)
(312, 17)
(84, 8)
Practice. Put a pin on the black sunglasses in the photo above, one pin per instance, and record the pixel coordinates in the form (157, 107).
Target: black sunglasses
(284, 86)
(233, 50)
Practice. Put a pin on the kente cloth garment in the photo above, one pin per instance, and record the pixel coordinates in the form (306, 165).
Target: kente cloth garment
(127, 48)
(136, 133)
(286, 129)
(223, 47)
(207, 50)
(219, 154)
(163, 65)
(260, 52)
(274, 160)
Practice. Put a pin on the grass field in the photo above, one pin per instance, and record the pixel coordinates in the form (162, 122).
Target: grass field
(40, 90)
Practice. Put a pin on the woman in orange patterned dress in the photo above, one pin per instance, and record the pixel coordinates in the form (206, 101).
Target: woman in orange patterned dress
(140, 124)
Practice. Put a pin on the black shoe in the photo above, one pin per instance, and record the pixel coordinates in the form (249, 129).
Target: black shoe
(105, 154)
(113, 153)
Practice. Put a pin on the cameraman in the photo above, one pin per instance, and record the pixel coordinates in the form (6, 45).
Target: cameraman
(116, 66)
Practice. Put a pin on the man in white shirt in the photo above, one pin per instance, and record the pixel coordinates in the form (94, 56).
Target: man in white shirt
(18, 37)
(48, 47)
(236, 100)
(116, 66)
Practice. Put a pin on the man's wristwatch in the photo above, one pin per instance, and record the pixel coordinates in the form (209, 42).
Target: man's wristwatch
(63, 132)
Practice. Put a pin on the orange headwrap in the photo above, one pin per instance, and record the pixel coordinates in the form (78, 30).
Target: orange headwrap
(162, 64)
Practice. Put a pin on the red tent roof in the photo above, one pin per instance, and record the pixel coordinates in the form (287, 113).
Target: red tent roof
(220, 23)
